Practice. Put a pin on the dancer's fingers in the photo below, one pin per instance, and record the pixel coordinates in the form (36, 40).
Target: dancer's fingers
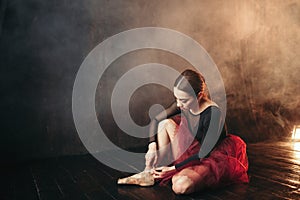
(159, 169)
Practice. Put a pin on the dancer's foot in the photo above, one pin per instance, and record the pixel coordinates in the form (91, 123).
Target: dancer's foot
(144, 178)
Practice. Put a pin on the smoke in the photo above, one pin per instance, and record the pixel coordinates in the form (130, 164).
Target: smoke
(255, 45)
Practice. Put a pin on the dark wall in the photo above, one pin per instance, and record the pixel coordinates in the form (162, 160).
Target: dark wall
(255, 45)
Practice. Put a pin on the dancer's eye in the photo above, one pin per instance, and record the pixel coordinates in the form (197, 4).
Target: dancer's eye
(182, 100)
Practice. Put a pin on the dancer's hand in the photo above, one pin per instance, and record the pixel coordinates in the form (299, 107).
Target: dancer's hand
(151, 156)
(161, 172)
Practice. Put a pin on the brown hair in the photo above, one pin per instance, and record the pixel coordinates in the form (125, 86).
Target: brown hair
(191, 82)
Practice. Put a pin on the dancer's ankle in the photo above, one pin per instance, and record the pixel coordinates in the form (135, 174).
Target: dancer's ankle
(148, 169)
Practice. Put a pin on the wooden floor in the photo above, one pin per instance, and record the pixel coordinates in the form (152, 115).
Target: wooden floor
(274, 171)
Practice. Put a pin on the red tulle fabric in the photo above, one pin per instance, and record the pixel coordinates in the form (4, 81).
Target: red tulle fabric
(226, 164)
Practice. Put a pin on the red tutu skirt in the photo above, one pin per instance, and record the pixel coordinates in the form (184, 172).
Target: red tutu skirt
(226, 164)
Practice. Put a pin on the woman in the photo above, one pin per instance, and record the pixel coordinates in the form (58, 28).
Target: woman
(180, 140)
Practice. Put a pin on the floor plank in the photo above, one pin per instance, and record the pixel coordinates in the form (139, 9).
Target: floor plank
(274, 174)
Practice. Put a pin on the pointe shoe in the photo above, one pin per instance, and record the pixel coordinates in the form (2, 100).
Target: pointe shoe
(144, 178)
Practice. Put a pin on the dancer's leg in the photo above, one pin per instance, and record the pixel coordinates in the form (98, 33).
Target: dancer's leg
(166, 134)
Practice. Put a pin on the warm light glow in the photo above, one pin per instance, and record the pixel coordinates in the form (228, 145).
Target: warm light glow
(297, 150)
(296, 133)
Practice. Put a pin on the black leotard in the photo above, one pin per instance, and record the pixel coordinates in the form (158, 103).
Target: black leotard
(198, 125)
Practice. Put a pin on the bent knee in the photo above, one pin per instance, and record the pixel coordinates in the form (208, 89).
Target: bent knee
(168, 125)
(182, 185)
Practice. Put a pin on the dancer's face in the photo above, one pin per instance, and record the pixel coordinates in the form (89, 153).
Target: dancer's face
(185, 100)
